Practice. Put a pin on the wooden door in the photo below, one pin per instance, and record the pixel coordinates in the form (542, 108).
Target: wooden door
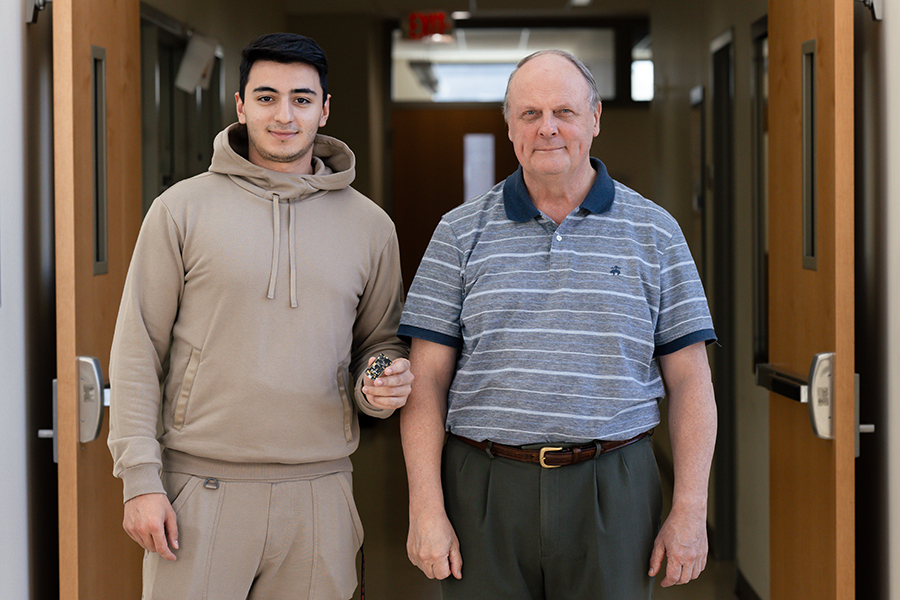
(811, 300)
(96, 61)
(427, 154)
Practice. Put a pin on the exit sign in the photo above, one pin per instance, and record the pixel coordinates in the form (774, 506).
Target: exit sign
(425, 24)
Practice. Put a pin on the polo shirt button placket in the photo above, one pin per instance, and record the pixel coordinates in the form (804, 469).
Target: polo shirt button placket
(556, 259)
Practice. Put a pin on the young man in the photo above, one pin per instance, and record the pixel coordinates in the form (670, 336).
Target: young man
(548, 317)
(257, 295)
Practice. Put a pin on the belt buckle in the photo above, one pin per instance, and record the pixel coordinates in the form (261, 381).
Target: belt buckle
(544, 451)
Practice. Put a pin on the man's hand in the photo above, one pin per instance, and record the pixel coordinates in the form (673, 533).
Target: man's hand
(432, 546)
(148, 520)
(391, 389)
(682, 540)
(692, 428)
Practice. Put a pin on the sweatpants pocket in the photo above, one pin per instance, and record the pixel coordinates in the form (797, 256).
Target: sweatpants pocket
(179, 487)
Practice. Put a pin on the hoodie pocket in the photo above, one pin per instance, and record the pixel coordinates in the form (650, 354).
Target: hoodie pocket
(346, 390)
(187, 383)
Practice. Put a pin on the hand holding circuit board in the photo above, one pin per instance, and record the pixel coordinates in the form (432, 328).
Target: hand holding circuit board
(389, 382)
(375, 370)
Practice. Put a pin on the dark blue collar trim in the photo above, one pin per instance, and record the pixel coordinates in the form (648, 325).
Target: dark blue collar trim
(520, 208)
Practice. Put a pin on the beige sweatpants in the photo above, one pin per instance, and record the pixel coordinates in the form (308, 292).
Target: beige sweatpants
(277, 539)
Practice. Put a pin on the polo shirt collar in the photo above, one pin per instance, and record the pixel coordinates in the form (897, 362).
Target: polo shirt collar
(520, 208)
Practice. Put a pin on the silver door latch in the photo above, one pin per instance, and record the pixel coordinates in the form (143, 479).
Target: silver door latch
(93, 397)
(816, 391)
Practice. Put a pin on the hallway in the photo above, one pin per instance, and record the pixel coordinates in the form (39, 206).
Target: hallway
(381, 495)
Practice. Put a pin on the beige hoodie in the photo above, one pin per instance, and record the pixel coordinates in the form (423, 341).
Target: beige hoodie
(252, 304)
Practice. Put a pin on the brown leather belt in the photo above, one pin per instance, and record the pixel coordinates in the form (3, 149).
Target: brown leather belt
(551, 457)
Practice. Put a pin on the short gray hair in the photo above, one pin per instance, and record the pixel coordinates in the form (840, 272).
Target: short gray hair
(585, 72)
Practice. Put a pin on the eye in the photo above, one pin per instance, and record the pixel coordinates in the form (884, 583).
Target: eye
(265, 99)
(301, 100)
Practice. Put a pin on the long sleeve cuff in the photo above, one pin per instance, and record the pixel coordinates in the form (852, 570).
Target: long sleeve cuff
(140, 480)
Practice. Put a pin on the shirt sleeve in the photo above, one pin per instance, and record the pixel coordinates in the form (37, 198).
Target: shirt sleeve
(684, 317)
(434, 303)
(141, 343)
(378, 314)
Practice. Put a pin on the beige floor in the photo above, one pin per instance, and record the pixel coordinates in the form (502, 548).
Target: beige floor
(381, 495)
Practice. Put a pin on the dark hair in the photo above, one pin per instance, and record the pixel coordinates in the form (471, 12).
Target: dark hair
(285, 48)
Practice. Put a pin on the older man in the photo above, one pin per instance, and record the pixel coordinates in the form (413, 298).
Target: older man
(548, 318)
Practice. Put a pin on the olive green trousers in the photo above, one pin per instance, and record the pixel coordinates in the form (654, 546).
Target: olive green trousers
(578, 532)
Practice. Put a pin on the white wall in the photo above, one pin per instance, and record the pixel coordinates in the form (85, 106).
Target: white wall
(14, 583)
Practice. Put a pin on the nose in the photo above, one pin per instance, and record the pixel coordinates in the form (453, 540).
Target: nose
(283, 114)
(548, 126)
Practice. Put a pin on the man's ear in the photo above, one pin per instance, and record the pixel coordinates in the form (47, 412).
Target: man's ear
(239, 105)
(326, 110)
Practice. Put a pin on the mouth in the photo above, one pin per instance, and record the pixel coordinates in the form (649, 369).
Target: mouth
(282, 135)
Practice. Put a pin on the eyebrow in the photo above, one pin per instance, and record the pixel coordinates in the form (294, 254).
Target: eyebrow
(265, 88)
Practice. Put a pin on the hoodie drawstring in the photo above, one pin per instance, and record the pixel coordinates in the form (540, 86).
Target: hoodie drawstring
(276, 247)
(276, 243)
(293, 252)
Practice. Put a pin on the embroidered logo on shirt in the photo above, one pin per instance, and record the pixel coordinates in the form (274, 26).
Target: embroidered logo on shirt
(615, 271)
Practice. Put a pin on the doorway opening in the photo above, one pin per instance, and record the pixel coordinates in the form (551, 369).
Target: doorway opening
(722, 296)
(178, 126)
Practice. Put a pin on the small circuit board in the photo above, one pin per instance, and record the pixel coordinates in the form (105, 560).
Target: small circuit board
(375, 370)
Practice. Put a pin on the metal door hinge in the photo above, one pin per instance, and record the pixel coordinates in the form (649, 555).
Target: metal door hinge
(51, 433)
(876, 6)
(33, 8)
(859, 428)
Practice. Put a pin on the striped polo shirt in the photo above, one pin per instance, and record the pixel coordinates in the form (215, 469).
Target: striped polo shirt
(558, 327)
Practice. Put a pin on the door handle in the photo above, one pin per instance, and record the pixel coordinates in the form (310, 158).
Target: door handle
(51, 434)
(821, 395)
(782, 382)
(91, 394)
(816, 391)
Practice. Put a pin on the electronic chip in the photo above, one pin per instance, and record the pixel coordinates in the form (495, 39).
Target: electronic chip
(375, 370)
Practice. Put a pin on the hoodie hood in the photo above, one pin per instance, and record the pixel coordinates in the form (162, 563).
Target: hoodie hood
(334, 168)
